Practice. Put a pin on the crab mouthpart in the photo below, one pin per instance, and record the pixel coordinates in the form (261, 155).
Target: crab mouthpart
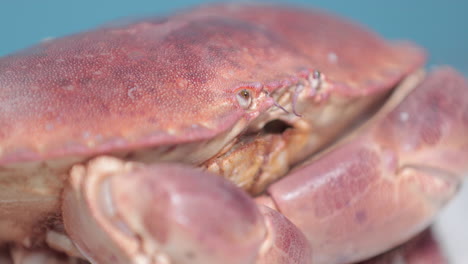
(300, 122)
(265, 142)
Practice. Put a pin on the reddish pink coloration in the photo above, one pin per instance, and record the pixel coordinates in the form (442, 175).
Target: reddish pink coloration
(389, 181)
(430, 130)
(200, 87)
(116, 87)
(287, 243)
(189, 215)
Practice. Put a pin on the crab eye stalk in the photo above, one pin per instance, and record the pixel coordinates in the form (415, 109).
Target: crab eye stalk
(317, 74)
(244, 97)
(315, 81)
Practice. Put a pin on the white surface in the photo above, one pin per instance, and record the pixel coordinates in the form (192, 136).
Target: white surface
(452, 227)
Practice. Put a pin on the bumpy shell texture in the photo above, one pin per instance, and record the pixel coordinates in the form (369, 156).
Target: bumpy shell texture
(174, 80)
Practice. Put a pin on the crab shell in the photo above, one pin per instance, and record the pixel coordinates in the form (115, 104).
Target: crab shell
(183, 89)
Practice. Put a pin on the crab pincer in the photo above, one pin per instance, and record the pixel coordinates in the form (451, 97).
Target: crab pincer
(387, 180)
(190, 217)
(366, 192)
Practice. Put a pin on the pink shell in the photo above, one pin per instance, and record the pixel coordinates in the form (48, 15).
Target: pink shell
(174, 80)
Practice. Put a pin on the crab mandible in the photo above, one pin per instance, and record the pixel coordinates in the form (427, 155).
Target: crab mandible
(116, 135)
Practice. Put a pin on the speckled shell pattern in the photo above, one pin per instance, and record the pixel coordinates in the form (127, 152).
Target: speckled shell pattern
(173, 80)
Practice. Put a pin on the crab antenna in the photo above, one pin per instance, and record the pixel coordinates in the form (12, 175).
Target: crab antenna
(297, 91)
(280, 106)
(315, 82)
(276, 103)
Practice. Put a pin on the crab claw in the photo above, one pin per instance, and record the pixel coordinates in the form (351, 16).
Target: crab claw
(383, 186)
(285, 243)
(119, 212)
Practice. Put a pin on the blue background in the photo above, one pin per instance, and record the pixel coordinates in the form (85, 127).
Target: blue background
(440, 26)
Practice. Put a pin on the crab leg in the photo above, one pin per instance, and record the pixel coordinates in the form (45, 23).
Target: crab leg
(119, 212)
(379, 188)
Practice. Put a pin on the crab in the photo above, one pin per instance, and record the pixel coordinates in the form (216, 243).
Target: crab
(229, 133)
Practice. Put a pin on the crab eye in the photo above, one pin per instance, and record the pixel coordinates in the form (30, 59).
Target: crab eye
(244, 98)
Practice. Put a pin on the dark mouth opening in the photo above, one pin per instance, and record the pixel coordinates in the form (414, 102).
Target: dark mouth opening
(276, 126)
